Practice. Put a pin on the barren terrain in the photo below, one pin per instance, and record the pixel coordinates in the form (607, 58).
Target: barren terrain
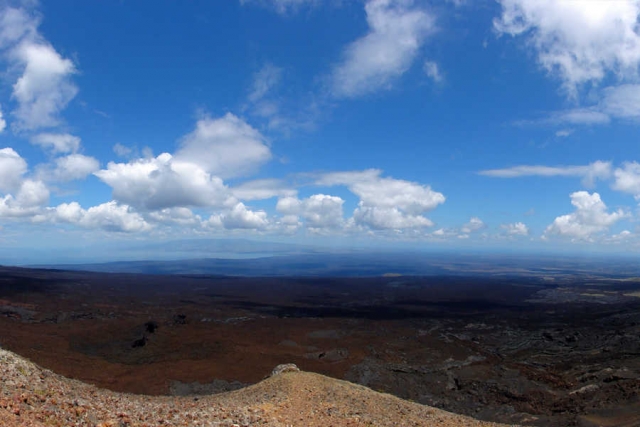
(526, 350)
(32, 397)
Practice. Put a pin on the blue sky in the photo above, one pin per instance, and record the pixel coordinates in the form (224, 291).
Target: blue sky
(439, 124)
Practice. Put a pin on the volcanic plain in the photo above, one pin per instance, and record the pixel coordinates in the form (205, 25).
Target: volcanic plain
(529, 350)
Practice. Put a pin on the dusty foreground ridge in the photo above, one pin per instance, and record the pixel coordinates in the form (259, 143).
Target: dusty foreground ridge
(32, 396)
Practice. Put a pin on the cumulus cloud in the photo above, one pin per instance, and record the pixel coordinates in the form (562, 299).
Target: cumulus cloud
(589, 173)
(239, 217)
(12, 169)
(516, 229)
(318, 211)
(69, 168)
(397, 31)
(177, 215)
(261, 189)
(22, 196)
(31, 196)
(225, 147)
(287, 224)
(378, 218)
(474, 224)
(44, 87)
(589, 218)
(109, 216)
(579, 41)
(217, 148)
(386, 203)
(163, 182)
(623, 237)
(57, 142)
(627, 179)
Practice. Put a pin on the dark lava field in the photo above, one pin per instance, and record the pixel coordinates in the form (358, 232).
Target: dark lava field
(533, 350)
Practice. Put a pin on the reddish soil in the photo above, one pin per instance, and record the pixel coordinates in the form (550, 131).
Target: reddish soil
(496, 349)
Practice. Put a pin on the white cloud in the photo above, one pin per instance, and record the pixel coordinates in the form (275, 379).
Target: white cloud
(71, 167)
(516, 229)
(283, 7)
(67, 212)
(627, 179)
(385, 218)
(264, 81)
(623, 236)
(163, 182)
(318, 211)
(287, 224)
(3, 122)
(622, 101)
(29, 200)
(57, 142)
(177, 215)
(239, 217)
(264, 103)
(580, 41)
(32, 193)
(474, 224)
(22, 196)
(440, 232)
(262, 189)
(122, 150)
(109, 216)
(397, 31)
(12, 168)
(589, 173)
(217, 148)
(44, 87)
(225, 147)
(563, 133)
(16, 24)
(589, 218)
(386, 203)
(580, 116)
(432, 70)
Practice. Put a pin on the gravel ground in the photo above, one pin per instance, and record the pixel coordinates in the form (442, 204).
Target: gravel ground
(31, 396)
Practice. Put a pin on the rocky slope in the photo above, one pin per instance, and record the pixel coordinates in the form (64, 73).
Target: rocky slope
(31, 396)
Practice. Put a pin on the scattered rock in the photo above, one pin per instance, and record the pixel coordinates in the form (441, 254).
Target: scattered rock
(178, 388)
(150, 327)
(287, 367)
(586, 389)
(333, 355)
(180, 319)
(139, 343)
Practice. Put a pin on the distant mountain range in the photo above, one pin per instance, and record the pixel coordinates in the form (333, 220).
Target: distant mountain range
(344, 265)
(163, 250)
(247, 258)
(223, 246)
